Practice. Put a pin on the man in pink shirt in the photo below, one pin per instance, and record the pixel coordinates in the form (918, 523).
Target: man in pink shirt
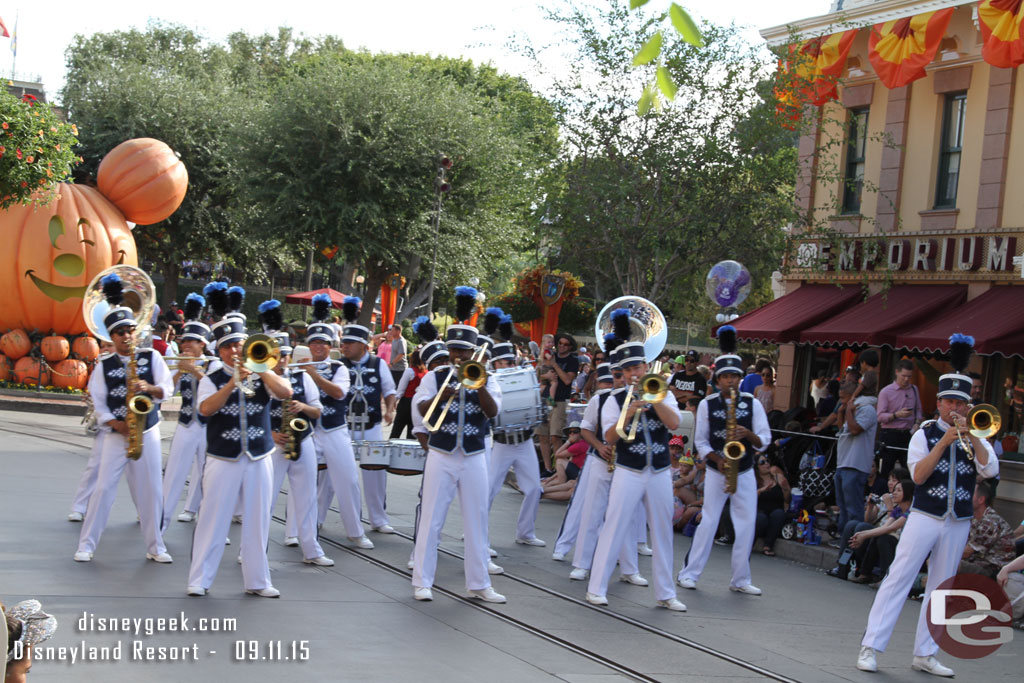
(899, 414)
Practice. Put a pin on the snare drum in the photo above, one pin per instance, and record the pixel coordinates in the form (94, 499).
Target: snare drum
(372, 455)
(407, 458)
(521, 407)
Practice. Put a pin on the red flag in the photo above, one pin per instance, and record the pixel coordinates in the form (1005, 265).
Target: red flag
(1001, 27)
(3, 29)
(900, 49)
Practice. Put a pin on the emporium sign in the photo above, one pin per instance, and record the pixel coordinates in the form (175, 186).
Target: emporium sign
(945, 255)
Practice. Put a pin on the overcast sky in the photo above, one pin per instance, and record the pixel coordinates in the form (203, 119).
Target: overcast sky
(476, 29)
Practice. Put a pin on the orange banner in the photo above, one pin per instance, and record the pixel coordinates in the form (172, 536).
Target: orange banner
(900, 49)
(822, 61)
(389, 300)
(1000, 22)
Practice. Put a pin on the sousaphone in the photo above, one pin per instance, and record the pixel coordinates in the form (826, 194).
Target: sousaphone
(139, 295)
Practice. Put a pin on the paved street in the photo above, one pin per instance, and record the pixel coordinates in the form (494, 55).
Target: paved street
(359, 621)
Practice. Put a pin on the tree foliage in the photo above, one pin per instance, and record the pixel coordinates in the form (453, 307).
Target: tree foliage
(645, 204)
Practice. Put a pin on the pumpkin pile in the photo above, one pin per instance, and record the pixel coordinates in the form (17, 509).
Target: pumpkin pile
(54, 251)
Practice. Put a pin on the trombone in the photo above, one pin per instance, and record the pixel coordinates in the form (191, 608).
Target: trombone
(653, 389)
(470, 374)
(260, 353)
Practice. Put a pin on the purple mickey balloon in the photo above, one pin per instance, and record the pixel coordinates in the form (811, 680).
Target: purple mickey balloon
(728, 284)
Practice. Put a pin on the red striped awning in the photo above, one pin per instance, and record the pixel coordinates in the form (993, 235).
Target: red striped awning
(785, 318)
(879, 320)
(995, 320)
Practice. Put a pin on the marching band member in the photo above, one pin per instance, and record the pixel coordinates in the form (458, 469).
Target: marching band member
(642, 473)
(945, 473)
(188, 448)
(236, 403)
(456, 462)
(514, 448)
(599, 479)
(371, 388)
(433, 354)
(87, 482)
(332, 379)
(109, 389)
(294, 455)
(710, 437)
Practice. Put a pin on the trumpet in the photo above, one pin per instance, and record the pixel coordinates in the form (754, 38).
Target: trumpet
(983, 422)
(653, 388)
(470, 374)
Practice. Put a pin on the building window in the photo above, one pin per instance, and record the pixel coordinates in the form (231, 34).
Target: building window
(950, 148)
(856, 144)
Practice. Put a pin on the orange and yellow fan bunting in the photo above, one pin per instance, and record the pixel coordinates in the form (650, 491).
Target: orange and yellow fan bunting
(1000, 23)
(900, 49)
(810, 73)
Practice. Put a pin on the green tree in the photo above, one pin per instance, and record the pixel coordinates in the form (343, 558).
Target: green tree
(345, 150)
(645, 204)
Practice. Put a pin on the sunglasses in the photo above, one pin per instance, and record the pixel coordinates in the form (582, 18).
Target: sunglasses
(762, 461)
(574, 431)
(121, 331)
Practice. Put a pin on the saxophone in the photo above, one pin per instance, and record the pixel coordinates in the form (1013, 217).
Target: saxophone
(139, 406)
(294, 430)
(734, 450)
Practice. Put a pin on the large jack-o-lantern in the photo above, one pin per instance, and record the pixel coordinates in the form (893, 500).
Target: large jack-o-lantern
(51, 253)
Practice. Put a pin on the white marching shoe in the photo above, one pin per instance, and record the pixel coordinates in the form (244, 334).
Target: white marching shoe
(322, 561)
(424, 594)
(268, 592)
(597, 599)
(197, 591)
(486, 594)
(686, 583)
(384, 529)
(533, 540)
(83, 556)
(635, 579)
(76, 517)
(579, 574)
(494, 569)
(411, 564)
(162, 558)
(558, 557)
(492, 552)
(932, 666)
(749, 589)
(644, 549)
(672, 604)
(291, 541)
(187, 516)
(362, 542)
(866, 660)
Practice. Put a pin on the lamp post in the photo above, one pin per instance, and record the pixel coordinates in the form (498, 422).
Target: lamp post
(442, 186)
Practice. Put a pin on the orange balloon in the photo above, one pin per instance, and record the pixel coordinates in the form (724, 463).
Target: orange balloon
(52, 252)
(144, 178)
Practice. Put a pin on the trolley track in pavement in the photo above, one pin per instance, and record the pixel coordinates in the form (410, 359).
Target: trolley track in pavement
(485, 608)
(635, 623)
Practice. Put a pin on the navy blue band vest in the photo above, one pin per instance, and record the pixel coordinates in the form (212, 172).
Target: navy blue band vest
(950, 488)
(189, 388)
(465, 426)
(598, 427)
(332, 415)
(115, 373)
(650, 448)
(363, 399)
(242, 425)
(277, 406)
(717, 418)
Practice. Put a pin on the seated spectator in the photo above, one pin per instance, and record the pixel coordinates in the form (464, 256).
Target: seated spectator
(817, 389)
(827, 403)
(873, 545)
(772, 503)
(990, 542)
(689, 490)
(835, 419)
(569, 461)
(27, 626)
(1012, 581)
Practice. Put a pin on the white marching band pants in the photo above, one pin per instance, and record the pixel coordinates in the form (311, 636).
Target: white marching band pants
(301, 502)
(592, 517)
(223, 481)
(344, 475)
(87, 483)
(522, 456)
(445, 476)
(374, 481)
(944, 539)
(143, 481)
(187, 447)
(742, 509)
(654, 490)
